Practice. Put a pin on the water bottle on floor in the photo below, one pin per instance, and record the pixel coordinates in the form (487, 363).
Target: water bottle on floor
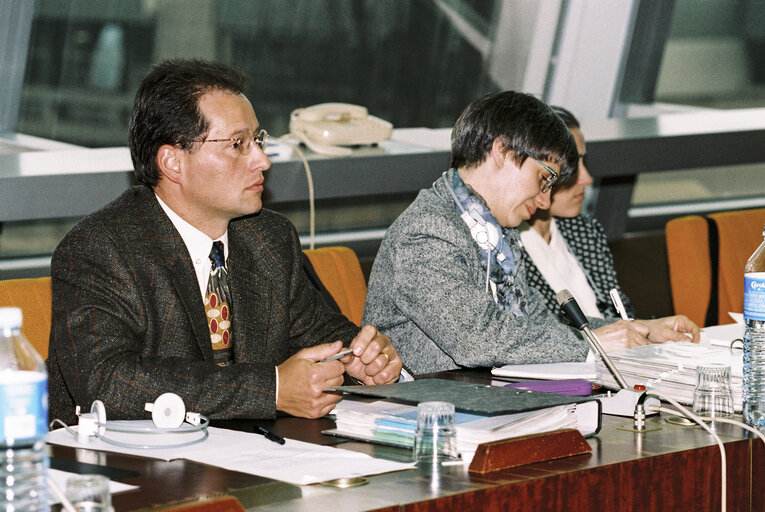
(23, 420)
(754, 339)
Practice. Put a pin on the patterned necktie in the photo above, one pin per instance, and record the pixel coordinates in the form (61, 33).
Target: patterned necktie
(218, 307)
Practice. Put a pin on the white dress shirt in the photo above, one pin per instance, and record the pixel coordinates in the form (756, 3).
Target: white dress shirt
(198, 244)
(560, 268)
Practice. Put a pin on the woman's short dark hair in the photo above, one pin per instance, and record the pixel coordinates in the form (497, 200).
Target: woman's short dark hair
(166, 109)
(522, 123)
(568, 118)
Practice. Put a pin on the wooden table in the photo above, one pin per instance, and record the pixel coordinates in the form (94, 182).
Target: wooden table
(675, 468)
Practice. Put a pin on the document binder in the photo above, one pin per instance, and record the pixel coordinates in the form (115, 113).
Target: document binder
(484, 413)
(466, 396)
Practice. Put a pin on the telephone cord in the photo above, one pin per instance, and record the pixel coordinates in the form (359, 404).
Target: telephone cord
(311, 208)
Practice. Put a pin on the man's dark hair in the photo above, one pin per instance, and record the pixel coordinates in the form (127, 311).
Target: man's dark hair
(522, 123)
(166, 109)
(568, 118)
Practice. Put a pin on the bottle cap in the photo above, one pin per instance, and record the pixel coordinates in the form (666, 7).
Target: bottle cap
(10, 318)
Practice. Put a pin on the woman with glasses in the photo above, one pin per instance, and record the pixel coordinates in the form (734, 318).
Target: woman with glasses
(447, 284)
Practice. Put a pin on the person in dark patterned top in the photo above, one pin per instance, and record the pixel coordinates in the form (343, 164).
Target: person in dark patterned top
(565, 249)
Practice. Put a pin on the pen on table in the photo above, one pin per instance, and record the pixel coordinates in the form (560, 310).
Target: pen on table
(337, 356)
(269, 435)
(618, 304)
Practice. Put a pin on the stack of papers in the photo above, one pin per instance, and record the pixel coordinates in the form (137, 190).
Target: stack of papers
(670, 368)
(395, 424)
(548, 371)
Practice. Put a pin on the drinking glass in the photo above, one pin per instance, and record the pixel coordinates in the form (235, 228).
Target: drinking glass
(89, 493)
(712, 396)
(435, 439)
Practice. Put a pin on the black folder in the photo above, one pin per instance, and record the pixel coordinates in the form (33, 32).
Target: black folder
(466, 396)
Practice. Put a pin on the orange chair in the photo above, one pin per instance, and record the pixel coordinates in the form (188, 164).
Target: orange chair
(340, 272)
(739, 233)
(690, 272)
(34, 297)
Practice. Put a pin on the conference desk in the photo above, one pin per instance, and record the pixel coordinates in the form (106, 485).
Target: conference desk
(675, 468)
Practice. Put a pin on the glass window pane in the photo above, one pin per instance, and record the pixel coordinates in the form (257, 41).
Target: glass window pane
(404, 60)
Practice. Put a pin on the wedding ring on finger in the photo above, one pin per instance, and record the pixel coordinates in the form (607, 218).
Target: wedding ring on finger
(386, 357)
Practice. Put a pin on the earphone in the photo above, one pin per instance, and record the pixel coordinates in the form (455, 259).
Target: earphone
(168, 413)
(485, 235)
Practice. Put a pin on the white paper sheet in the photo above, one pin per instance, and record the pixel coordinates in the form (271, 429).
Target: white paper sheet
(552, 371)
(722, 335)
(295, 462)
(437, 139)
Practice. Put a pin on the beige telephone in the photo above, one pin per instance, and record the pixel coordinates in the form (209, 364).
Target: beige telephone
(325, 127)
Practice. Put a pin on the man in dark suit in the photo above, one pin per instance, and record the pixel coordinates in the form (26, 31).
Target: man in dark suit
(130, 282)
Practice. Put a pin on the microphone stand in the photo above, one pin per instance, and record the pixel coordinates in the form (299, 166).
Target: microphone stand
(627, 402)
(595, 342)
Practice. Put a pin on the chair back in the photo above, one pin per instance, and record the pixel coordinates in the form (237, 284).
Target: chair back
(340, 272)
(739, 233)
(690, 271)
(34, 297)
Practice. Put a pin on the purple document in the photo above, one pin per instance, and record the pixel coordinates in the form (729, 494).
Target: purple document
(575, 387)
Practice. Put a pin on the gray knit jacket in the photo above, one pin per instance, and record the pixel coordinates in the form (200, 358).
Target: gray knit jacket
(427, 292)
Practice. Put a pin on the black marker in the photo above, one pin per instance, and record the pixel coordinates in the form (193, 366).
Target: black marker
(269, 435)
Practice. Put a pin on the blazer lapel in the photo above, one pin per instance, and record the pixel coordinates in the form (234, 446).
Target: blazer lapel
(251, 303)
(170, 250)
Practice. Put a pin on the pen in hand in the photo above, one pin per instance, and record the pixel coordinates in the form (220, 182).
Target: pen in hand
(337, 356)
(268, 435)
(618, 304)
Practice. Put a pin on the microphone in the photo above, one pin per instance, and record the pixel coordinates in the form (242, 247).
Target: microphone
(570, 306)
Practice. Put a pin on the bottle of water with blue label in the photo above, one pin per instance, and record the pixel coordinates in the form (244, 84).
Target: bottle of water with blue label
(754, 339)
(23, 419)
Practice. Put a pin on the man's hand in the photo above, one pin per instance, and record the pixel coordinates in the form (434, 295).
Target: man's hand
(622, 334)
(374, 360)
(302, 381)
(672, 328)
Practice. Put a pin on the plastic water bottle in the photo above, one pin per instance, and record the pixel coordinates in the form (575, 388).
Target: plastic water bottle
(23, 419)
(754, 339)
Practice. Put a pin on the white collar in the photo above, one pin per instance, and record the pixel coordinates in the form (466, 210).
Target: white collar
(197, 243)
(560, 267)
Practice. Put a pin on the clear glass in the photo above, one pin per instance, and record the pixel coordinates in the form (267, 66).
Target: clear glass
(435, 439)
(712, 397)
(89, 493)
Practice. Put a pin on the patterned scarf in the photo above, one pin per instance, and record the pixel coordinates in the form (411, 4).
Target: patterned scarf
(505, 259)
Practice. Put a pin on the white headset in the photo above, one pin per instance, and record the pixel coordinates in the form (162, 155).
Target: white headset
(485, 235)
(168, 413)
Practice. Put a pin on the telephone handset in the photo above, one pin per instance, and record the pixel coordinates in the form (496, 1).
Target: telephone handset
(325, 127)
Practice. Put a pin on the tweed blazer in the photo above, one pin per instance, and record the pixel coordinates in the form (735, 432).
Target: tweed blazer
(587, 241)
(427, 292)
(129, 321)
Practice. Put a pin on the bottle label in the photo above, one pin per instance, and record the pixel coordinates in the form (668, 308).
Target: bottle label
(23, 406)
(754, 296)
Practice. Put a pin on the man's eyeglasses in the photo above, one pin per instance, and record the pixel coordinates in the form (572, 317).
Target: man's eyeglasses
(546, 184)
(243, 143)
